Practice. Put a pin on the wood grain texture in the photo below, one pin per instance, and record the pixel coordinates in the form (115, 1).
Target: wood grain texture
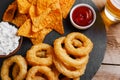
(110, 69)
(112, 55)
(107, 72)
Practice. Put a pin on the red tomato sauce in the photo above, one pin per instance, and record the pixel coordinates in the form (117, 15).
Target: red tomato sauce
(82, 16)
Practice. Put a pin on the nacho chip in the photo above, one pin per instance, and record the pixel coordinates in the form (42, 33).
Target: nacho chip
(19, 19)
(43, 5)
(25, 29)
(57, 24)
(56, 17)
(34, 2)
(66, 6)
(41, 21)
(40, 14)
(23, 6)
(32, 11)
(40, 36)
(50, 16)
(30, 1)
(36, 18)
(10, 12)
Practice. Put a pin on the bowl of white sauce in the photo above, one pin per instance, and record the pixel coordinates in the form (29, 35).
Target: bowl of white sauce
(10, 42)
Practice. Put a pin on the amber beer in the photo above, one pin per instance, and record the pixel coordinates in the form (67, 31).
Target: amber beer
(111, 13)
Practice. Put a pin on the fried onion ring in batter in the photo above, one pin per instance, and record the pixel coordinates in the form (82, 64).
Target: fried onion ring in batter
(44, 70)
(38, 78)
(70, 79)
(70, 73)
(20, 61)
(15, 71)
(59, 77)
(71, 54)
(64, 57)
(44, 52)
(83, 50)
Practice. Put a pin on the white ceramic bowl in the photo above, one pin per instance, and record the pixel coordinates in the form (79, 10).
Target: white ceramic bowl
(86, 26)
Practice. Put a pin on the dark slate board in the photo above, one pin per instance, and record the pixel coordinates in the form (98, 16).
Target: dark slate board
(96, 33)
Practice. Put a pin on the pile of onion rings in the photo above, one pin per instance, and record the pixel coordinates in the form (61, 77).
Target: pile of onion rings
(71, 54)
(66, 60)
(40, 58)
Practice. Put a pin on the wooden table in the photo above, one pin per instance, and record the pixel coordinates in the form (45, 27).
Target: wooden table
(110, 68)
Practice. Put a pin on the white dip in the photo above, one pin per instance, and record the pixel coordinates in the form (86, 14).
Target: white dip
(8, 39)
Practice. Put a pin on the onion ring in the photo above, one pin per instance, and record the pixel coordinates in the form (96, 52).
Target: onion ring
(70, 79)
(58, 75)
(38, 78)
(45, 59)
(15, 71)
(86, 47)
(63, 56)
(71, 54)
(69, 72)
(20, 61)
(44, 70)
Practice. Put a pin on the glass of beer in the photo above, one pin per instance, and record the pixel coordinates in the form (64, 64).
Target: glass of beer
(111, 13)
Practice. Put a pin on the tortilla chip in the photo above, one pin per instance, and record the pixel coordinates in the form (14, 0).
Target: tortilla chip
(25, 29)
(41, 21)
(50, 16)
(40, 14)
(57, 24)
(56, 16)
(10, 11)
(66, 6)
(43, 5)
(36, 18)
(34, 2)
(23, 6)
(40, 36)
(32, 11)
(19, 19)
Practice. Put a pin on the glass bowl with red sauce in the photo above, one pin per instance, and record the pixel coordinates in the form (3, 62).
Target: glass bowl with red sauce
(82, 16)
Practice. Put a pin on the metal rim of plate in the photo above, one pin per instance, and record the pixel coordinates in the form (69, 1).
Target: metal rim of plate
(96, 33)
